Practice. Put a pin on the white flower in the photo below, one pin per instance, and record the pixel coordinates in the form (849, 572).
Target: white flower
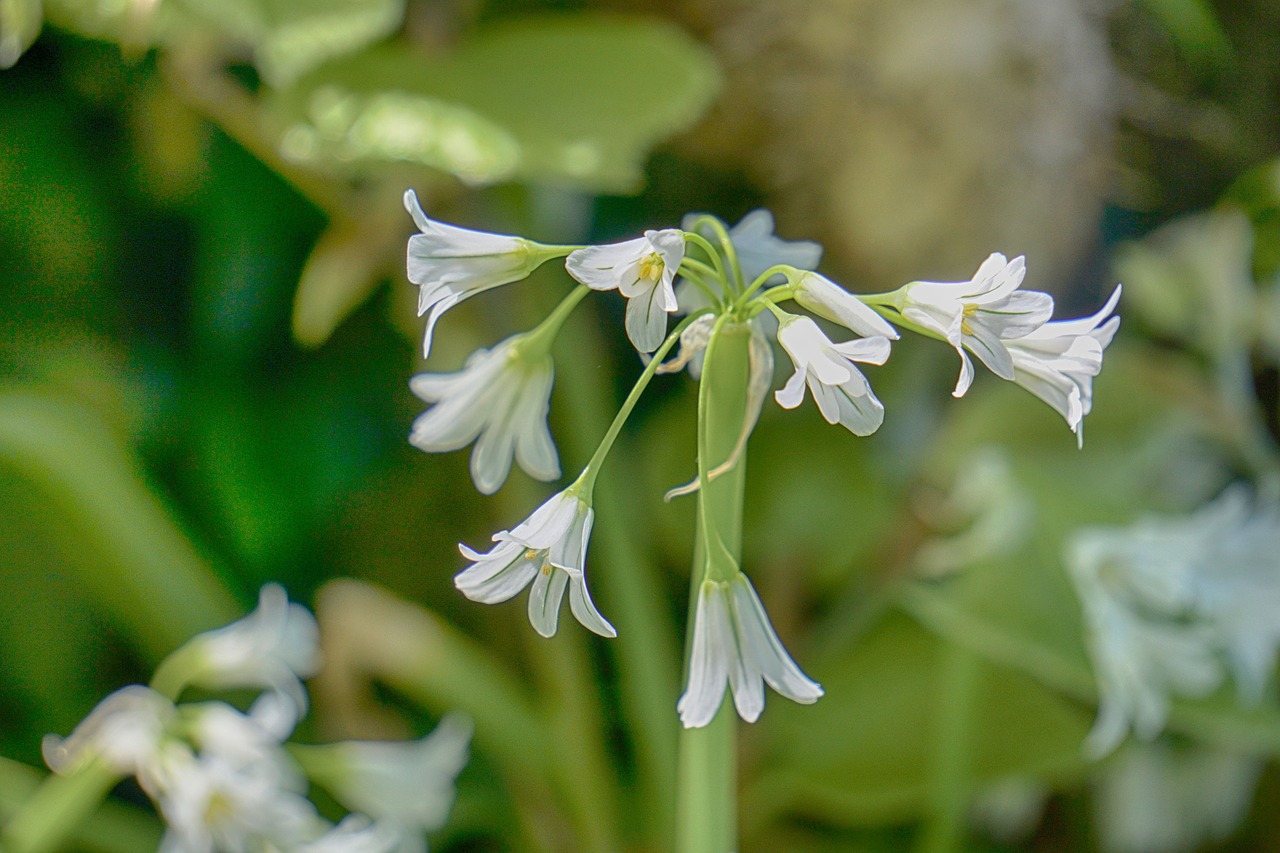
(1057, 362)
(357, 834)
(273, 647)
(641, 270)
(124, 731)
(979, 314)
(1174, 605)
(832, 302)
(549, 548)
(735, 646)
(406, 785)
(757, 248)
(499, 400)
(450, 264)
(840, 390)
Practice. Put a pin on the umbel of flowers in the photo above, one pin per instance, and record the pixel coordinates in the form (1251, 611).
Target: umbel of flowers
(736, 293)
(224, 779)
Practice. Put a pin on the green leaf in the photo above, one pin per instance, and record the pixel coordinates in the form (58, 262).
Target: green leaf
(292, 37)
(576, 101)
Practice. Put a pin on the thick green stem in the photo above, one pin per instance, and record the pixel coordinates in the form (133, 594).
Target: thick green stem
(949, 782)
(57, 808)
(706, 816)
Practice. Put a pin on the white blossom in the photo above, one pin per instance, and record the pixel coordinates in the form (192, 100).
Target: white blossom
(1174, 605)
(499, 400)
(980, 314)
(548, 549)
(124, 731)
(1058, 361)
(274, 647)
(734, 645)
(642, 270)
(357, 834)
(832, 302)
(406, 785)
(841, 391)
(450, 264)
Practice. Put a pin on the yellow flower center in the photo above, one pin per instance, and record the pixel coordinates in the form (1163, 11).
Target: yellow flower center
(967, 313)
(651, 266)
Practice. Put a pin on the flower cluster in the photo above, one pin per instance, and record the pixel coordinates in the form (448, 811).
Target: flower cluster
(223, 779)
(1174, 606)
(724, 281)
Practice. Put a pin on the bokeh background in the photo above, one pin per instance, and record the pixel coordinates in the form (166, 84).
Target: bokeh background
(206, 337)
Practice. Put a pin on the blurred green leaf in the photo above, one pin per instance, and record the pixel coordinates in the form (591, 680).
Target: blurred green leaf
(1195, 28)
(575, 100)
(292, 37)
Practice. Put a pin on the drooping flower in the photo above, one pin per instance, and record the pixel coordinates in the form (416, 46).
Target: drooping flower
(1057, 362)
(450, 264)
(979, 315)
(406, 785)
(830, 301)
(1173, 606)
(841, 391)
(735, 646)
(549, 549)
(499, 400)
(642, 270)
(274, 647)
(124, 731)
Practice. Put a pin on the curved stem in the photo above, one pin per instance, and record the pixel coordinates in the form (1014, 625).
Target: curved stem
(705, 245)
(726, 248)
(587, 480)
(537, 342)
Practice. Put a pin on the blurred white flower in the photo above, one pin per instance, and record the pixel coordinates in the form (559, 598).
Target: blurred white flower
(357, 834)
(841, 391)
(757, 248)
(1158, 798)
(550, 549)
(980, 314)
(499, 400)
(1058, 361)
(642, 270)
(734, 645)
(1172, 605)
(406, 785)
(124, 730)
(450, 264)
(274, 647)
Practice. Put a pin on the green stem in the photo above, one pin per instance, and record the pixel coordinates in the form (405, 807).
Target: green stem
(587, 480)
(113, 828)
(537, 342)
(58, 806)
(777, 269)
(646, 653)
(950, 774)
(706, 817)
(705, 245)
(726, 248)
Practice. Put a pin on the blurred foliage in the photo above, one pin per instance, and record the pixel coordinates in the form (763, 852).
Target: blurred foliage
(204, 376)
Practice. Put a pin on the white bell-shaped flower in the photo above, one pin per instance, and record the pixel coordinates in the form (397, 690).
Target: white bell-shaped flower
(642, 270)
(841, 391)
(735, 646)
(124, 731)
(549, 550)
(274, 647)
(830, 301)
(1058, 361)
(499, 400)
(450, 264)
(979, 315)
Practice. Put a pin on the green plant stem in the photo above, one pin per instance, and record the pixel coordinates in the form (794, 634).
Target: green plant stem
(113, 828)
(58, 806)
(646, 650)
(706, 816)
(949, 777)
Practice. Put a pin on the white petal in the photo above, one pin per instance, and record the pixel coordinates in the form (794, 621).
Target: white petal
(584, 610)
(832, 302)
(545, 597)
(708, 659)
(760, 641)
(646, 320)
(792, 394)
(601, 267)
